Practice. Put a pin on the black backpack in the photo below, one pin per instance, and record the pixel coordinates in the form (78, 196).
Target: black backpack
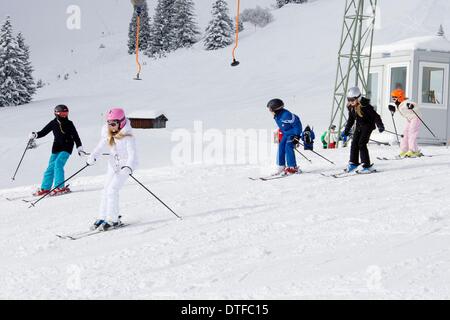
(307, 137)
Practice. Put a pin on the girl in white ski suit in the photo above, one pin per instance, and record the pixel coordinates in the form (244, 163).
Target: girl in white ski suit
(121, 163)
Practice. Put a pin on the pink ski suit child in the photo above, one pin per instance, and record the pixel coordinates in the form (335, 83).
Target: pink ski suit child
(408, 110)
(117, 136)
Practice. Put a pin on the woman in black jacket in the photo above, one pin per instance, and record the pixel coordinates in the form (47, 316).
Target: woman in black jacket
(360, 111)
(65, 137)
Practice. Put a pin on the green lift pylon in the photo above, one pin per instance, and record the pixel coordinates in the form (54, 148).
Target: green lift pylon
(355, 54)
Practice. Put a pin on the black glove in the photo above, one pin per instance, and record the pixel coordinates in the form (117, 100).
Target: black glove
(381, 128)
(410, 106)
(81, 152)
(392, 108)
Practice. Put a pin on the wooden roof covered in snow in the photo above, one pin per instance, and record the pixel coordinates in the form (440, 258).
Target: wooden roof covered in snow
(146, 114)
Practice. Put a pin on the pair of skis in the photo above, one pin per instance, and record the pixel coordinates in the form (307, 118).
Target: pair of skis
(29, 199)
(32, 198)
(88, 233)
(344, 174)
(401, 158)
(340, 174)
(273, 177)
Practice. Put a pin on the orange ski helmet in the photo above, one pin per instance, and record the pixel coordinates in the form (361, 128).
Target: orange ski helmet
(399, 94)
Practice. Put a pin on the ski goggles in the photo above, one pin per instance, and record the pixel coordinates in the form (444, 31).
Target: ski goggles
(352, 99)
(113, 123)
(62, 114)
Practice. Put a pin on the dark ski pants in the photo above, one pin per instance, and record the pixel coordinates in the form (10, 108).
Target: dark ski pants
(359, 146)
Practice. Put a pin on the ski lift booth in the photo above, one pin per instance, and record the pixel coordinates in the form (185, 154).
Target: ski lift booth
(419, 66)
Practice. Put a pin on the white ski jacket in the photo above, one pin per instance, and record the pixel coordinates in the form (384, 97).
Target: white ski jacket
(122, 153)
(407, 113)
(331, 137)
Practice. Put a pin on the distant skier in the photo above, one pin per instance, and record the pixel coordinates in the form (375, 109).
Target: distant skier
(322, 139)
(117, 135)
(408, 145)
(291, 128)
(308, 137)
(362, 112)
(65, 136)
(330, 138)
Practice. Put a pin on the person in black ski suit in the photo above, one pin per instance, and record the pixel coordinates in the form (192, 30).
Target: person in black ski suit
(308, 137)
(65, 136)
(362, 112)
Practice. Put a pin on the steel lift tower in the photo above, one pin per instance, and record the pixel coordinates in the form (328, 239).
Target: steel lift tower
(356, 46)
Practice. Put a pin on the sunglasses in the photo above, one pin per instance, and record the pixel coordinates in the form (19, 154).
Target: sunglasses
(394, 98)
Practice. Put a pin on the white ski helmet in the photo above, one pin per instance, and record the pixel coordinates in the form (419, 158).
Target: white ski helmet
(354, 93)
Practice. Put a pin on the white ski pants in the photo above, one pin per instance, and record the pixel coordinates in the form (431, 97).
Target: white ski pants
(109, 207)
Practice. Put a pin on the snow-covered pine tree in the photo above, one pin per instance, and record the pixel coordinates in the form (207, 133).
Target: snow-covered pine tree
(441, 31)
(144, 31)
(27, 81)
(219, 32)
(240, 24)
(11, 73)
(257, 16)
(161, 34)
(280, 3)
(184, 31)
(40, 84)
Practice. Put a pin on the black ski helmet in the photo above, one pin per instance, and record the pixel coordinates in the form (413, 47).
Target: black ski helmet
(61, 110)
(275, 105)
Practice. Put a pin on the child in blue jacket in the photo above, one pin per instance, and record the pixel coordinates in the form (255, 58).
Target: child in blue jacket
(291, 128)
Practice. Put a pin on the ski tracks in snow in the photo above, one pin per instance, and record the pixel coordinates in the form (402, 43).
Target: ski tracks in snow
(304, 236)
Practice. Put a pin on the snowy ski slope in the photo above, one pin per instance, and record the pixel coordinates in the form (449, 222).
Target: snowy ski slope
(379, 236)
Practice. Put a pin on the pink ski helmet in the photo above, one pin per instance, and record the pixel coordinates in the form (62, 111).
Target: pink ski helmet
(117, 115)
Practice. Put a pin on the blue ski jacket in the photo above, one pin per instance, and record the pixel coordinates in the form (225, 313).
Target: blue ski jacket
(288, 123)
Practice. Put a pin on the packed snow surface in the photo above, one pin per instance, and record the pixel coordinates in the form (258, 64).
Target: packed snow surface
(383, 235)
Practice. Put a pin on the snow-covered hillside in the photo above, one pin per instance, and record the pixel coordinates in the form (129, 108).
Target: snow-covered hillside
(293, 58)
(48, 34)
(379, 236)
(308, 236)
